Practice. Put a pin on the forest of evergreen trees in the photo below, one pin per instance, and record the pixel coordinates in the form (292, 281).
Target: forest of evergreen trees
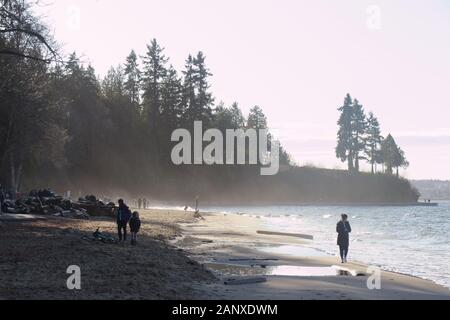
(61, 123)
(62, 126)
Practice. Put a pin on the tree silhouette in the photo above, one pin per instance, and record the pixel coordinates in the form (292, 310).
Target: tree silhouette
(373, 141)
(132, 84)
(256, 118)
(393, 156)
(344, 148)
(358, 130)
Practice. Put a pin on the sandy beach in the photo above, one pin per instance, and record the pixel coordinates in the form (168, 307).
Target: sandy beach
(180, 257)
(230, 246)
(35, 256)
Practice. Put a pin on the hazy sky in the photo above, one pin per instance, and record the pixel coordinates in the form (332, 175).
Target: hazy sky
(296, 59)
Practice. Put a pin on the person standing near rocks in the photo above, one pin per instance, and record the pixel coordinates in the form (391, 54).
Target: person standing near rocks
(123, 216)
(144, 203)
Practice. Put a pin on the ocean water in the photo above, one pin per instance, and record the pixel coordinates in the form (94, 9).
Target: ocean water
(411, 240)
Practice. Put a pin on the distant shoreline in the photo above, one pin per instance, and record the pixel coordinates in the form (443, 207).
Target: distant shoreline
(308, 204)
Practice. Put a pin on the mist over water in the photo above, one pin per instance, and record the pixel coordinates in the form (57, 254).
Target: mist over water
(411, 240)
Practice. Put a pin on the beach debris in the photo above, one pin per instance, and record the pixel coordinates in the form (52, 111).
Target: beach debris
(342, 271)
(73, 214)
(197, 215)
(101, 237)
(95, 207)
(244, 280)
(263, 266)
(253, 259)
(7, 217)
(45, 202)
(284, 234)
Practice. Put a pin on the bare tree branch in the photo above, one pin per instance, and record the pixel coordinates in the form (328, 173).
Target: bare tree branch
(23, 55)
(34, 34)
(10, 22)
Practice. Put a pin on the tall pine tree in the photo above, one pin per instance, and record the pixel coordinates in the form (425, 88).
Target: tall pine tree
(344, 148)
(132, 79)
(197, 99)
(154, 73)
(358, 128)
(237, 118)
(373, 141)
(256, 118)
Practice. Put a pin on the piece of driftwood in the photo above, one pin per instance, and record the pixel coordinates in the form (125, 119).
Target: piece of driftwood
(253, 259)
(284, 234)
(19, 218)
(342, 271)
(241, 281)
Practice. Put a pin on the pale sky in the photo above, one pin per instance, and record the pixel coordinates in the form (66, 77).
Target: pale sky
(296, 59)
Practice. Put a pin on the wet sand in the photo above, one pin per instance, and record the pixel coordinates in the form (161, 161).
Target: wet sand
(180, 257)
(230, 246)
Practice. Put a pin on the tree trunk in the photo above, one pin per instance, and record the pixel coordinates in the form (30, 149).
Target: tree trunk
(13, 173)
(350, 162)
(357, 162)
(19, 176)
(16, 174)
(8, 136)
(372, 161)
(389, 169)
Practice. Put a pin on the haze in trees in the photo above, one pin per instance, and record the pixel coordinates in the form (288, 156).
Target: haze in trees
(62, 126)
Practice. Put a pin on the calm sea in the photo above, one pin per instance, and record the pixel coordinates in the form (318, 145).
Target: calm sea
(411, 240)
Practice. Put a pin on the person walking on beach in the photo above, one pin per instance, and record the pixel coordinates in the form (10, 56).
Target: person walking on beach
(123, 216)
(135, 226)
(343, 229)
(144, 204)
(197, 203)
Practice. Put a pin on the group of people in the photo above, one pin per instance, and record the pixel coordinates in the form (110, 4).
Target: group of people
(142, 203)
(125, 218)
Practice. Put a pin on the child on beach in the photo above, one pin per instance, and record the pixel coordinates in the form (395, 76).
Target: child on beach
(135, 226)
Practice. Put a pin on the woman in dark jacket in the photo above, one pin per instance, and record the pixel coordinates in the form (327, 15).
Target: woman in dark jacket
(343, 229)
